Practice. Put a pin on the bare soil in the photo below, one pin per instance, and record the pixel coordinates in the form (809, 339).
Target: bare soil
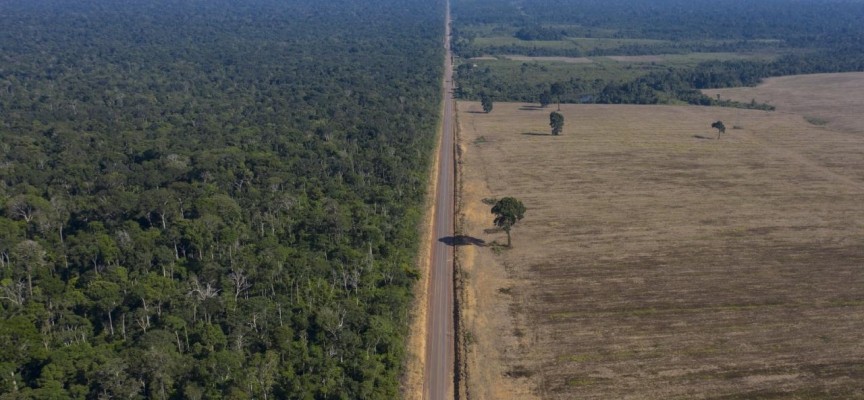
(833, 98)
(658, 262)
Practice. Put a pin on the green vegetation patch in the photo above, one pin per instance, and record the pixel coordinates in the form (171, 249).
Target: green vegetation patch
(816, 121)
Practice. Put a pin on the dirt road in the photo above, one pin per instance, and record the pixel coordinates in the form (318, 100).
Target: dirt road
(439, 341)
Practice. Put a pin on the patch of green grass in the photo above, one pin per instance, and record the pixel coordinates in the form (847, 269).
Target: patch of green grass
(816, 121)
(480, 140)
(691, 59)
(578, 382)
(534, 73)
(498, 41)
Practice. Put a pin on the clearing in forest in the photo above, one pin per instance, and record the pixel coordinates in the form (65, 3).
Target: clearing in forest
(658, 262)
(833, 100)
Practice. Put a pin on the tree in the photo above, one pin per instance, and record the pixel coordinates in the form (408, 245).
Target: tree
(557, 90)
(556, 121)
(545, 99)
(487, 104)
(720, 128)
(508, 211)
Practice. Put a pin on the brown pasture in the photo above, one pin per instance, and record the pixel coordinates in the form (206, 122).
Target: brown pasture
(658, 262)
(835, 99)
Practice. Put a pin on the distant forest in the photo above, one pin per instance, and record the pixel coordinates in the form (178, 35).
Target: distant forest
(212, 199)
(810, 36)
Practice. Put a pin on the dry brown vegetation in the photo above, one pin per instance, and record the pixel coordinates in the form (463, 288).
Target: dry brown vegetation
(833, 100)
(657, 262)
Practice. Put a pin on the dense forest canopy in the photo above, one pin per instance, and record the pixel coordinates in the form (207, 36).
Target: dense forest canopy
(800, 36)
(786, 20)
(211, 199)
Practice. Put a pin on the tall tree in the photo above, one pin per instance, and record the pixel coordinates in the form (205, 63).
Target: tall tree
(487, 104)
(720, 128)
(545, 99)
(508, 211)
(557, 90)
(556, 121)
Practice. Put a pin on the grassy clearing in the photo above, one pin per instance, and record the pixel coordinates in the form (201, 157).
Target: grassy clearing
(581, 44)
(657, 261)
(832, 100)
(542, 70)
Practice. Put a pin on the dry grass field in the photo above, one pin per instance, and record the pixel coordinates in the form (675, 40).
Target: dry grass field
(832, 100)
(656, 262)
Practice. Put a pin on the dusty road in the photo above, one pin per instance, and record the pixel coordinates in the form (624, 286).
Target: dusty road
(439, 341)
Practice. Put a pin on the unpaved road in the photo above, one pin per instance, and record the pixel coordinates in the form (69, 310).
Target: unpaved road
(439, 340)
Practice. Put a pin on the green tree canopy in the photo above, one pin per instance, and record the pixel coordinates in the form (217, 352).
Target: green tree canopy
(720, 128)
(508, 211)
(487, 104)
(556, 121)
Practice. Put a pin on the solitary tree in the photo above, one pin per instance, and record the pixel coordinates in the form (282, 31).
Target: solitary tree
(720, 128)
(508, 211)
(557, 90)
(487, 104)
(545, 99)
(556, 121)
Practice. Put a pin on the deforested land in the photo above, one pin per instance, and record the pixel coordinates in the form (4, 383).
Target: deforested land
(656, 260)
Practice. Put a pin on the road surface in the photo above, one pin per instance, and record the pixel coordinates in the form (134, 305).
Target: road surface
(438, 383)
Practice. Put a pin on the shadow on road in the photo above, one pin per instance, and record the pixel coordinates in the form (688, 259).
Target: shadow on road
(462, 240)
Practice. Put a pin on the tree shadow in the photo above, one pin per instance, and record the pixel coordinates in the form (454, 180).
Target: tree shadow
(530, 108)
(476, 112)
(462, 240)
(702, 137)
(535, 134)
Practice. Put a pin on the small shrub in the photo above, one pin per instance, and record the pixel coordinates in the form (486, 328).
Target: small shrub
(816, 121)
(519, 371)
(490, 201)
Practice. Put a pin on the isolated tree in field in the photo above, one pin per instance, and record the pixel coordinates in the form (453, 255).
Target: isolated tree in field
(545, 99)
(557, 90)
(508, 211)
(720, 128)
(556, 121)
(487, 104)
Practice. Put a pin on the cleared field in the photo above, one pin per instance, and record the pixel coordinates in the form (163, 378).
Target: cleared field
(833, 100)
(570, 60)
(583, 44)
(638, 58)
(657, 262)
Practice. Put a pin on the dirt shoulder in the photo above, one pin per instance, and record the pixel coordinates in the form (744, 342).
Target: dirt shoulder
(497, 346)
